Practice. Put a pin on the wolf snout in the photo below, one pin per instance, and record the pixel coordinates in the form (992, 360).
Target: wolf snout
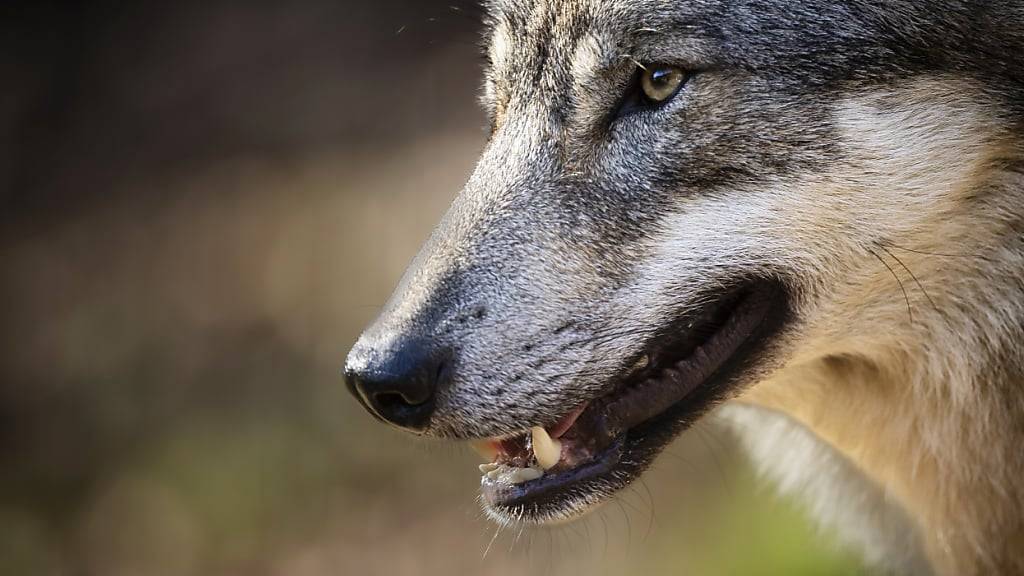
(398, 383)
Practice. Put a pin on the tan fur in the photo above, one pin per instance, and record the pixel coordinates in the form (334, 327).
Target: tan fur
(860, 512)
(927, 402)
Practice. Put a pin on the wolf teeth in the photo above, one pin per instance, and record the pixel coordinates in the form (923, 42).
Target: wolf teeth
(526, 474)
(547, 450)
(510, 474)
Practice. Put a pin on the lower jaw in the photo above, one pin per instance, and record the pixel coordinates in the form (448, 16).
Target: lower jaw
(570, 493)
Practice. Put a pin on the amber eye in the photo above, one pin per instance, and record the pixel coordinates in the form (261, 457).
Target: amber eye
(660, 82)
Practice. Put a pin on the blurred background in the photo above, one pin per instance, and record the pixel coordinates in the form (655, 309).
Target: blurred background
(202, 205)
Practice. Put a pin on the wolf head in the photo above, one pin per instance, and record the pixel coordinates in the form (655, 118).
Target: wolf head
(624, 258)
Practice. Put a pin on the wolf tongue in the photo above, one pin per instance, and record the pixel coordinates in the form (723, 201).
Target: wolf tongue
(488, 449)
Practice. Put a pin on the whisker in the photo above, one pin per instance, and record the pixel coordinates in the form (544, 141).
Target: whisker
(493, 538)
(629, 525)
(912, 275)
(945, 255)
(903, 289)
(723, 478)
(604, 523)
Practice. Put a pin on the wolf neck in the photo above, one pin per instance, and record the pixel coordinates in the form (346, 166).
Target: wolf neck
(931, 410)
(954, 468)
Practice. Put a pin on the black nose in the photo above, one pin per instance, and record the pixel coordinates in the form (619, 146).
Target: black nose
(399, 384)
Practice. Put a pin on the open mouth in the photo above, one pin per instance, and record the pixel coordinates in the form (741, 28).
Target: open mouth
(559, 471)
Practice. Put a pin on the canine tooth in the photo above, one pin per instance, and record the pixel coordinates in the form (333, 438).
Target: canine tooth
(485, 468)
(485, 448)
(547, 450)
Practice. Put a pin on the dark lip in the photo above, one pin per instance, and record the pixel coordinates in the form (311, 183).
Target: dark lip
(638, 436)
(534, 492)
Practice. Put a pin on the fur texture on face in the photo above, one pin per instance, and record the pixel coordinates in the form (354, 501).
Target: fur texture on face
(866, 156)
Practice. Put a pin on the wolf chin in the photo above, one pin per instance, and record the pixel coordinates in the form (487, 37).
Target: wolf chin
(806, 216)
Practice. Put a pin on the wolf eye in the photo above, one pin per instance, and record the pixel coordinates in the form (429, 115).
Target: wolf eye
(659, 82)
(652, 85)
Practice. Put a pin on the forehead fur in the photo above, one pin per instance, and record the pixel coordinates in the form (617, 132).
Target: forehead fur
(823, 42)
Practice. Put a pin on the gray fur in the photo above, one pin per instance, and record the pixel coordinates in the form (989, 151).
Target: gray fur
(564, 254)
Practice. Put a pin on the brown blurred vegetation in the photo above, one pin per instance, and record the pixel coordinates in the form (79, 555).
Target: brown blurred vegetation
(203, 203)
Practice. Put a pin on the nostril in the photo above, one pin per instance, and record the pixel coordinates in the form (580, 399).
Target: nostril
(398, 408)
(399, 399)
(399, 384)
(393, 400)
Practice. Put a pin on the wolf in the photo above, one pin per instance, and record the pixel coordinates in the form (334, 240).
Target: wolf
(804, 218)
